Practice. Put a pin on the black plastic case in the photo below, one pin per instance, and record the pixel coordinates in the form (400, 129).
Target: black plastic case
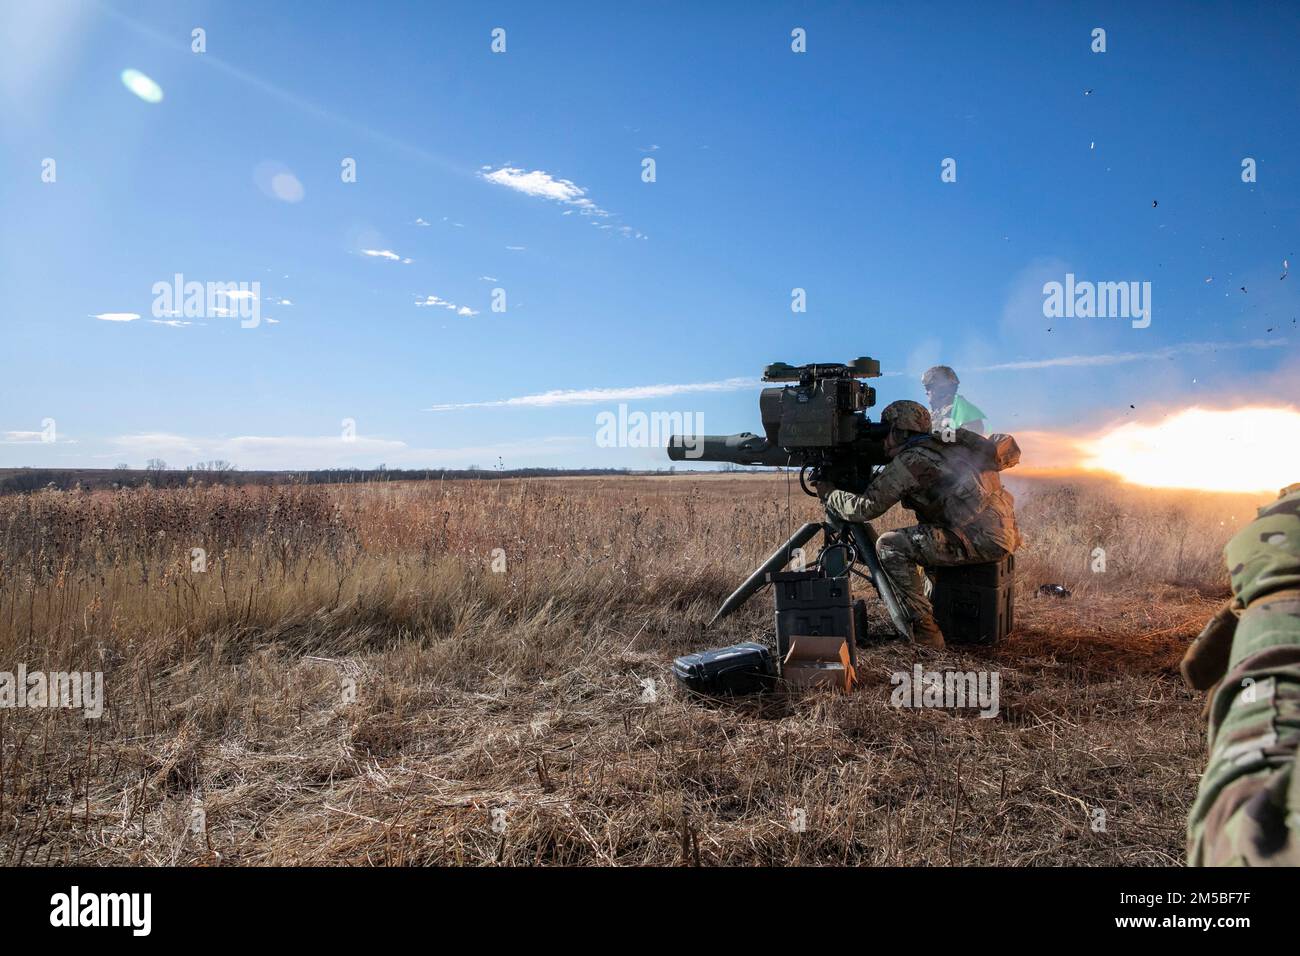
(813, 605)
(975, 603)
(747, 668)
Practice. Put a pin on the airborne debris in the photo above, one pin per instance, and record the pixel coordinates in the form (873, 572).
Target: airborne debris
(1286, 267)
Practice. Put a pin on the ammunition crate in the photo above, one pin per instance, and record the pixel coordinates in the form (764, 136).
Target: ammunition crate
(807, 603)
(975, 603)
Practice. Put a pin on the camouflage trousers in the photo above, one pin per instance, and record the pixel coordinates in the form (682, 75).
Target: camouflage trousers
(904, 552)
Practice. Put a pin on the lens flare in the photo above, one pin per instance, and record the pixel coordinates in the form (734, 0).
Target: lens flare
(1255, 448)
(142, 86)
(277, 181)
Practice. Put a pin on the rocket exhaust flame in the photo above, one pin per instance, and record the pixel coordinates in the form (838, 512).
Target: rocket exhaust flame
(1253, 448)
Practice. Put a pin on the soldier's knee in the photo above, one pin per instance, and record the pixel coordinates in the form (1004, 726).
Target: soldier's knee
(891, 541)
(894, 548)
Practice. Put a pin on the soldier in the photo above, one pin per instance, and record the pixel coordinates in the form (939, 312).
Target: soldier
(953, 487)
(1247, 810)
(947, 408)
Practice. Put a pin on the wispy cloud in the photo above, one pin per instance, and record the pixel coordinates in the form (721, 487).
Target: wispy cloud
(537, 183)
(434, 300)
(543, 185)
(594, 396)
(384, 254)
(1121, 358)
(174, 323)
(115, 316)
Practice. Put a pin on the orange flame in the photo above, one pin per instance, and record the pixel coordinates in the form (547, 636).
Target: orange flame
(1254, 448)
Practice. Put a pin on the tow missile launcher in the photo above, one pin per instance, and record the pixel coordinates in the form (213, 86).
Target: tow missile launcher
(817, 424)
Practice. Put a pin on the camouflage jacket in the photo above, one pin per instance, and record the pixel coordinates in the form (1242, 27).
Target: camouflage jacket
(1247, 810)
(946, 484)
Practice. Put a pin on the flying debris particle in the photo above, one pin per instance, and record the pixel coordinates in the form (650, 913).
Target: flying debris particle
(1092, 145)
(1087, 92)
(142, 86)
(1286, 267)
(1243, 288)
(1209, 278)
(1154, 203)
(1133, 406)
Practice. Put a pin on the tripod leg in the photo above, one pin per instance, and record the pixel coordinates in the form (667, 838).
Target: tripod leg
(779, 559)
(864, 540)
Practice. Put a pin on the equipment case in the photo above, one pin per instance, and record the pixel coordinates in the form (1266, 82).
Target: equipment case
(975, 603)
(813, 605)
(741, 669)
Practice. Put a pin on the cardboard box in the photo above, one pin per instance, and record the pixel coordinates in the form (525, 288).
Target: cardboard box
(815, 661)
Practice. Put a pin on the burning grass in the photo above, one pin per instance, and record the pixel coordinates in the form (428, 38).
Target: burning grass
(350, 682)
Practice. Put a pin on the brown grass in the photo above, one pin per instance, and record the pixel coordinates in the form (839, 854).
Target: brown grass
(521, 691)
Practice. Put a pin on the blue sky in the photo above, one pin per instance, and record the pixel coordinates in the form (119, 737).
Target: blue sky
(775, 170)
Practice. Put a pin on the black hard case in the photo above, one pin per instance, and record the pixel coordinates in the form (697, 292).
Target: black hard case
(810, 604)
(741, 669)
(975, 603)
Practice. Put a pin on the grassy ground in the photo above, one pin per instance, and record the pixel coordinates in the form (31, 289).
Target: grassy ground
(349, 681)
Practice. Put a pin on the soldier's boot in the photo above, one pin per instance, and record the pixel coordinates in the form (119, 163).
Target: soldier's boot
(926, 633)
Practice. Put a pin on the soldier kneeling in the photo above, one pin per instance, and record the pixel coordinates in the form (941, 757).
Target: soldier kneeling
(966, 516)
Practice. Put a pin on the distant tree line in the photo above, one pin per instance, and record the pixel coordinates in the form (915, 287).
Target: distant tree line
(156, 474)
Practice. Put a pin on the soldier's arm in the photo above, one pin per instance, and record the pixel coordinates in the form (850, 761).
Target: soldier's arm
(1247, 810)
(882, 494)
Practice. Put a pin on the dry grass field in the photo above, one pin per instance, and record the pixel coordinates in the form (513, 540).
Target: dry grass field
(502, 717)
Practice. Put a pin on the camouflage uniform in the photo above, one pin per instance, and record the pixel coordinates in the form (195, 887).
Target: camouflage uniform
(1247, 811)
(967, 517)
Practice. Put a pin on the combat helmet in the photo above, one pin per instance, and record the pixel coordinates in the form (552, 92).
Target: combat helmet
(906, 415)
(939, 375)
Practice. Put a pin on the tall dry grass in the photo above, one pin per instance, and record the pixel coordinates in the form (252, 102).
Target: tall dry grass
(230, 689)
